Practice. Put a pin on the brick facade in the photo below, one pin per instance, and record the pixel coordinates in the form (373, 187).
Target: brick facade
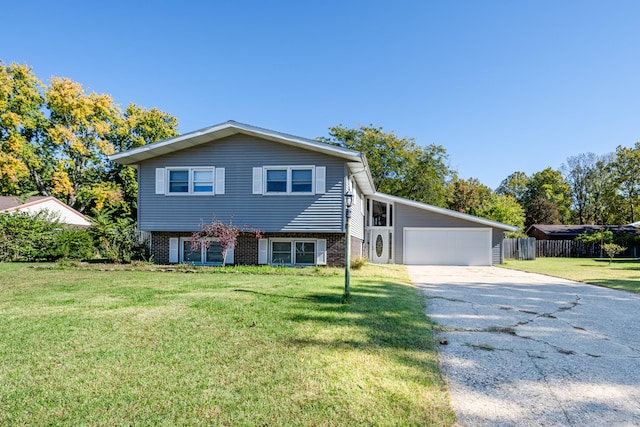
(246, 250)
(160, 245)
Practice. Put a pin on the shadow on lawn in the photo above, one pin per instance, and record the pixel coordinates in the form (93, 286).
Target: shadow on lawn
(385, 315)
(384, 331)
(270, 295)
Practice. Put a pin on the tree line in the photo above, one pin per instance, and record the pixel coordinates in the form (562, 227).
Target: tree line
(55, 140)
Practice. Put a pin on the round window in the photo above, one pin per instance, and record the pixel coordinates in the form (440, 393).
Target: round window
(379, 246)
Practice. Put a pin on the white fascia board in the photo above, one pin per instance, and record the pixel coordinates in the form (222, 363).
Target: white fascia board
(361, 174)
(67, 214)
(444, 211)
(224, 130)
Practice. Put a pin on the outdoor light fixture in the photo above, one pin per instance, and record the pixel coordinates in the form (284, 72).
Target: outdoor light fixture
(348, 201)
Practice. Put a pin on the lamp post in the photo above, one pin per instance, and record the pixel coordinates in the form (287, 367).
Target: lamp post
(348, 201)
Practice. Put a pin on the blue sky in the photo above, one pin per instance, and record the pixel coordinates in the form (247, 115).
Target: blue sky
(503, 86)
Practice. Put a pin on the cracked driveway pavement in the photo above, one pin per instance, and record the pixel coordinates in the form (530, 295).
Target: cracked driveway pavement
(523, 349)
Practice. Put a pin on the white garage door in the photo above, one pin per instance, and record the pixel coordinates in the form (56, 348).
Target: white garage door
(447, 246)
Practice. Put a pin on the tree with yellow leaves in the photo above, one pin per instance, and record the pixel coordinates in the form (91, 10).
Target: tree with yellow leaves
(22, 132)
(55, 140)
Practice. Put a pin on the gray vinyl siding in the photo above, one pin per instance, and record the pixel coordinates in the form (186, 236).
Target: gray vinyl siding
(357, 217)
(238, 155)
(409, 216)
(497, 239)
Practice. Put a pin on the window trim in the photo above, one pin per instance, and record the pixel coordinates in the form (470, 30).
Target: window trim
(203, 255)
(289, 170)
(191, 184)
(389, 214)
(293, 251)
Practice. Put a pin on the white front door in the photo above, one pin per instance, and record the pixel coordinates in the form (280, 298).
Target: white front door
(380, 246)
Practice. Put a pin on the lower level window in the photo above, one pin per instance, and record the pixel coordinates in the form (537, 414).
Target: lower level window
(293, 252)
(209, 253)
(305, 252)
(281, 253)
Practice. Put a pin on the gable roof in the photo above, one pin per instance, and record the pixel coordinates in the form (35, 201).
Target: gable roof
(356, 161)
(67, 215)
(447, 212)
(8, 202)
(571, 231)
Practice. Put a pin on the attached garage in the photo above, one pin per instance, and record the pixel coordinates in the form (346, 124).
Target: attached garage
(447, 246)
(407, 232)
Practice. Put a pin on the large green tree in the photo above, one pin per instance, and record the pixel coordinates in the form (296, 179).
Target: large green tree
(398, 166)
(549, 184)
(626, 174)
(593, 189)
(468, 196)
(578, 172)
(136, 127)
(542, 211)
(504, 209)
(515, 185)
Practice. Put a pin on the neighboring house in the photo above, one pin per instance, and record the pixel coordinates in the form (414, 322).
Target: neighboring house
(292, 189)
(64, 213)
(570, 232)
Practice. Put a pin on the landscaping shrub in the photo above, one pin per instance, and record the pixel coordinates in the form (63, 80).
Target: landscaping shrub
(359, 262)
(72, 244)
(41, 237)
(26, 237)
(117, 239)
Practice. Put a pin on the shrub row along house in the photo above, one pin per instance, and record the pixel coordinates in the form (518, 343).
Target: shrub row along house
(292, 189)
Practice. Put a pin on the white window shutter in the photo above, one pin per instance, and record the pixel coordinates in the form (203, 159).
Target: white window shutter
(173, 249)
(229, 259)
(257, 180)
(219, 180)
(321, 179)
(159, 180)
(263, 251)
(321, 252)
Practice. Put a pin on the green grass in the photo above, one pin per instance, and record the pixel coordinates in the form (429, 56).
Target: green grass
(250, 347)
(620, 274)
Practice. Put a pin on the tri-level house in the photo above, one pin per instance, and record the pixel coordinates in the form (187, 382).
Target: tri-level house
(292, 189)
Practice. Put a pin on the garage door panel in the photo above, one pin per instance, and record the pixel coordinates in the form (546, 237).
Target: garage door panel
(447, 246)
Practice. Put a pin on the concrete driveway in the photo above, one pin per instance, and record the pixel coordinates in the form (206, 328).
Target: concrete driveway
(522, 349)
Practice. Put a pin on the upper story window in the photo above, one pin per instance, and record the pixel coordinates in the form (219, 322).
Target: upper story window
(381, 214)
(179, 181)
(190, 180)
(277, 180)
(301, 180)
(203, 181)
(289, 180)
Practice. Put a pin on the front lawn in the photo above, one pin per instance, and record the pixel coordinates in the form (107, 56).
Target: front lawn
(620, 274)
(96, 347)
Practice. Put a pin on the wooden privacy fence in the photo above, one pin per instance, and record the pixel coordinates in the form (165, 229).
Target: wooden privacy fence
(520, 248)
(530, 248)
